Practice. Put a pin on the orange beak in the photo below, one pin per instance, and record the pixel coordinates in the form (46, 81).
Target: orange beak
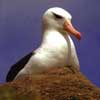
(69, 28)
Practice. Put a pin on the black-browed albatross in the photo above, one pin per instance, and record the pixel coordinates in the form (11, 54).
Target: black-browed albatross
(56, 50)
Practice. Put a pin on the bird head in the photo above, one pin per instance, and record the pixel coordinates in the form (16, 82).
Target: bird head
(60, 20)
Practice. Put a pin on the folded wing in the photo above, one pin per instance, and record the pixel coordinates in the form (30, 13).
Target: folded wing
(17, 67)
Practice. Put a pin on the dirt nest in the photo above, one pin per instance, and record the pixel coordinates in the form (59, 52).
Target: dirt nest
(53, 84)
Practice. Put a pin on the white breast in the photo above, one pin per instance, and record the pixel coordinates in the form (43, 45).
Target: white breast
(53, 51)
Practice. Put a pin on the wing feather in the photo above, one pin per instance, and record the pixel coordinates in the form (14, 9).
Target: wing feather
(17, 67)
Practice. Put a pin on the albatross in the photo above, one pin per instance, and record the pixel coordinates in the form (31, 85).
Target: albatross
(56, 49)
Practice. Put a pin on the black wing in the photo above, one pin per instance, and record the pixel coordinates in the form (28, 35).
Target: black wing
(17, 67)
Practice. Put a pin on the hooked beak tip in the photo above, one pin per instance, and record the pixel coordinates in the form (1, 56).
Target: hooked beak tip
(78, 36)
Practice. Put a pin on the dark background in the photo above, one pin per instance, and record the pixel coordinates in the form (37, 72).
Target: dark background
(20, 31)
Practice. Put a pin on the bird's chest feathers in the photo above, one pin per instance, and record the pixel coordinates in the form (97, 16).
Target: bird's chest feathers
(55, 45)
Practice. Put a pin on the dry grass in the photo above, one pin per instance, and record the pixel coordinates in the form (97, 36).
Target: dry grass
(54, 84)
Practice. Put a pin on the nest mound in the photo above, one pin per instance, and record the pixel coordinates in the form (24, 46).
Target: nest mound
(53, 84)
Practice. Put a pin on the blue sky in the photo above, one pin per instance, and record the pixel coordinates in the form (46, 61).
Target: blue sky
(20, 31)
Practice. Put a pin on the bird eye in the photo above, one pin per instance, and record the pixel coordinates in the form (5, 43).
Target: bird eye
(57, 16)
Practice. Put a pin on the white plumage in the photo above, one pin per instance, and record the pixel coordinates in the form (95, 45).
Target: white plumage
(57, 48)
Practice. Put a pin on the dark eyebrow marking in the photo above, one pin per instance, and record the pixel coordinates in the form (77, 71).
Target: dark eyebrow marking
(57, 16)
